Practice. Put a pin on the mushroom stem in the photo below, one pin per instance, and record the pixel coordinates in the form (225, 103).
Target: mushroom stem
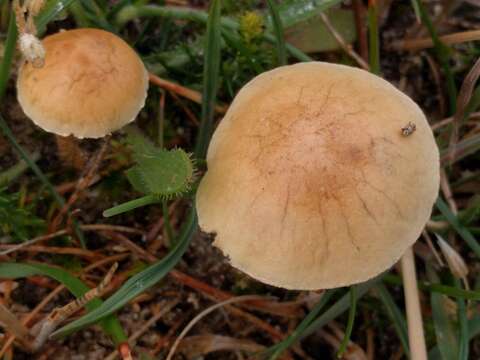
(416, 338)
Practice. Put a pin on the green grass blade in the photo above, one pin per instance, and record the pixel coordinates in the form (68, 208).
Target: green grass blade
(374, 47)
(111, 325)
(296, 53)
(166, 222)
(474, 103)
(416, 9)
(351, 319)
(339, 307)
(139, 282)
(9, 52)
(463, 341)
(131, 12)
(454, 292)
(396, 316)
(130, 205)
(234, 42)
(299, 11)
(9, 175)
(211, 71)
(41, 176)
(442, 55)
(51, 10)
(464, 148)
(444, 327)
(8, 133)
(295, 335)
(473, 332)
(459, 228)
(278, 29)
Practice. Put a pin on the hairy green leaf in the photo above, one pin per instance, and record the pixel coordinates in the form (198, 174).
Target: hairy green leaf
(161, 172)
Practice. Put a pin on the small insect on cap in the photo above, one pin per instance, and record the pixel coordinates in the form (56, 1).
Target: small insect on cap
(92, 83)
(311, 181)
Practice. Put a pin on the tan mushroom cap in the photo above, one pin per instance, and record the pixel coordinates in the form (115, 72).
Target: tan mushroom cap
(310, 182)
(92, 83)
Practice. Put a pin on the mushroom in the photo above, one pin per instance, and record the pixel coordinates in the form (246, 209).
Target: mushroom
(92, 83)
(319, 176)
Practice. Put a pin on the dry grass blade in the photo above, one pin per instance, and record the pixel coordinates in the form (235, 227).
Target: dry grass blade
(57, 316)
(455, 262)
(204, 313)
(33, 241)
(30, 316)
(196, 346)
(450, 39)
(359, 10)
(54, 250)
(346, 47)
(353, 352)
(89, 227)
(462, 101)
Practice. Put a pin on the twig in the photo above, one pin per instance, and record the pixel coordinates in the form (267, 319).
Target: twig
(185, 108)
(165, 340)
(54, 250)
(447, 192)
(463, 99)
(82, 184)
(152, 234)
(448, 120)
(25, 321)
(109, 227)
(360, 23)
(166, 307)
(203, 314)
(35, 240)
(161, 119)
(424, 43)
(437, 78)
(12, 324)
(416, 338)
(88, 227)
(346, 47)
(193, 95)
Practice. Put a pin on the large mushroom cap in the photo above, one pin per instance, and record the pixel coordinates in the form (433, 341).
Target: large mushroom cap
(92, 83)
(310, 182)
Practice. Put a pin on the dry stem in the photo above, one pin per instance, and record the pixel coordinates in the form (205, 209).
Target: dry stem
(416, 338)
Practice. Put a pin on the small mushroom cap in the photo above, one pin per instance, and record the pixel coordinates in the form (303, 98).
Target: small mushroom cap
(92, 83)
(311, 183)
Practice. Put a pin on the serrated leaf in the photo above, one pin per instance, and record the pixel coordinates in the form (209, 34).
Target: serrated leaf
(160, 172)
(135, 178)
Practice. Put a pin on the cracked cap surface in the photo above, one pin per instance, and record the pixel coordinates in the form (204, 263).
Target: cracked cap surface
(92, 83)
(310, 182)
